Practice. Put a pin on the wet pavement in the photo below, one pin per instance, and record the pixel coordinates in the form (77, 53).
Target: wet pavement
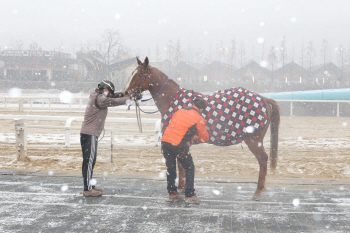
(36, 201)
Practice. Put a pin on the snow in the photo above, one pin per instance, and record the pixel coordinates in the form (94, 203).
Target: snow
(15, 92)
(66, 97)
(296, 201)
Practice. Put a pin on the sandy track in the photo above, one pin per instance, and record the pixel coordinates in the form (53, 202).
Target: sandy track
(309, 147)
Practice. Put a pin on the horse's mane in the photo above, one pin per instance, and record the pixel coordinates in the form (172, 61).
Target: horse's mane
(160, 72)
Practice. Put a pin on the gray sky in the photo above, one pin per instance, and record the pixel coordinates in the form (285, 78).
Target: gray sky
(143, 24)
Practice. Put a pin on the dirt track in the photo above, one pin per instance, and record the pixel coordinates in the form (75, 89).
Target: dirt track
(309, 147)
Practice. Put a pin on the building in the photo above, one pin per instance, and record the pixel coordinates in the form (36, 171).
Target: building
(34, 65)
(292, 73)
(328, 75)
(253, 73)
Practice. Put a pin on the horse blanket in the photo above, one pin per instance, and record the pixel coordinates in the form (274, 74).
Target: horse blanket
(230, 114)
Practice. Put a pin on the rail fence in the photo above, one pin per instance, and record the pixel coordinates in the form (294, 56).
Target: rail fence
(52, 103)
(49, 103)
(21, 131)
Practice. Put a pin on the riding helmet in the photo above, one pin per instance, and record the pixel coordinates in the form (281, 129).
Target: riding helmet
(106, 84)
(199, 103)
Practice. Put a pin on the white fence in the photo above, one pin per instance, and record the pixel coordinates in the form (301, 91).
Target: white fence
(53, 103)
(337, 102)
(21, 131)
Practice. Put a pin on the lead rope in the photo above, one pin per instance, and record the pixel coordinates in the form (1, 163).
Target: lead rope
(138, 115)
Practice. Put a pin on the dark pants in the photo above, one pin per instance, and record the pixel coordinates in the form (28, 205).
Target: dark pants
(89, 148)
(183, 155)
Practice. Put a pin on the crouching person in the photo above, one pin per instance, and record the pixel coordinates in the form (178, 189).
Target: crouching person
(186, 125)
(94, 120)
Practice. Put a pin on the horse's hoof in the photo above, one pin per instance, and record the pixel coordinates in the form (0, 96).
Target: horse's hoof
(256, 197)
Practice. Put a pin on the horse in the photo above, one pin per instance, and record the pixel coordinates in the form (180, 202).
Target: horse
(164, 90)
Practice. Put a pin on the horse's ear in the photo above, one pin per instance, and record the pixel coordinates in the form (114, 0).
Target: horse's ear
(138, 61)
(146, 62)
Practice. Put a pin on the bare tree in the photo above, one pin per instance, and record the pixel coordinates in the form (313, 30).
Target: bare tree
(170, 50)
(241, 54)
(302, 55)
(157, 53)
(263, 51)
(341, 55)
(208, 58)
(199, 55)
(170, 53)
(283, 54)
(310, 55)
(19, 45)
(189, 54)
(111, 47)
(272, 57)
(177, 52)
(324, 54)
(33, 46)
(220, 51)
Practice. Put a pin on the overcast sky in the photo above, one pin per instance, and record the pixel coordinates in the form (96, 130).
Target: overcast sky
(143, 24)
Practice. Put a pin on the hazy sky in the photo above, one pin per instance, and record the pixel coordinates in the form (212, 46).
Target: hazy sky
(143, 24)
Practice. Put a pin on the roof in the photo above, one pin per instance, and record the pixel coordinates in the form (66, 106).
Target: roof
(123, 64)
(253, 68)
(291, 67)
(330, 68)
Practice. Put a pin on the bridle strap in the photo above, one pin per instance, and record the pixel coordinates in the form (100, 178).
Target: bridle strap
(157, 92)
(147, 74)
(139, 88)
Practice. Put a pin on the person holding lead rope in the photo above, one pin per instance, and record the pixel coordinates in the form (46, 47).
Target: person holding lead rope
(93, 124)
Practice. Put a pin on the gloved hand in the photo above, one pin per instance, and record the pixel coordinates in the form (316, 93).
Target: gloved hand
(117, 95)
(138, 97)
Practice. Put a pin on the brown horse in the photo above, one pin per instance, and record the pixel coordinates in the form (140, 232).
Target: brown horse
(163, 91)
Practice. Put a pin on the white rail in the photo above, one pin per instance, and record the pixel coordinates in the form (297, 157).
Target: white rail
(52, 102)
(21, 131)
(314, 101)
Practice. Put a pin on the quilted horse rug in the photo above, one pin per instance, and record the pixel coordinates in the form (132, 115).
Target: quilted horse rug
(230, 114)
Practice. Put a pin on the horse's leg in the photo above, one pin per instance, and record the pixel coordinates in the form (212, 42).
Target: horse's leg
(182, 180)
(255, 144)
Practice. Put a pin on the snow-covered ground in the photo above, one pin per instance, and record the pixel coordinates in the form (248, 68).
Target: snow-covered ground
(309, 147)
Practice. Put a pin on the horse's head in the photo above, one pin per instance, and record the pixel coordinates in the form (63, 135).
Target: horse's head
(139, 80)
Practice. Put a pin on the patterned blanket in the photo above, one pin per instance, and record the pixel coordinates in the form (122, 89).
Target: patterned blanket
(230, 114)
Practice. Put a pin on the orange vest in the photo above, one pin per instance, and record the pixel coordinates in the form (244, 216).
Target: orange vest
(184, 125)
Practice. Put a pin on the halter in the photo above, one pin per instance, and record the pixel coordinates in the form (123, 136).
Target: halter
(139, 88)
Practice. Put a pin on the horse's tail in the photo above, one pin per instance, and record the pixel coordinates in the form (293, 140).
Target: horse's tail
(275, 121)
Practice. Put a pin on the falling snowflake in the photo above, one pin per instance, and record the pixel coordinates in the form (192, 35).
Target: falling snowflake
(296, 201)
(216, 192)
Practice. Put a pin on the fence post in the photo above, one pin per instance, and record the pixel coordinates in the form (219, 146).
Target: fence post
(20, 105)
(21, 138)
(291, 108)
(112, 139)
(67, 137)
(158, 133)
(31, 104)
(337, 109)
